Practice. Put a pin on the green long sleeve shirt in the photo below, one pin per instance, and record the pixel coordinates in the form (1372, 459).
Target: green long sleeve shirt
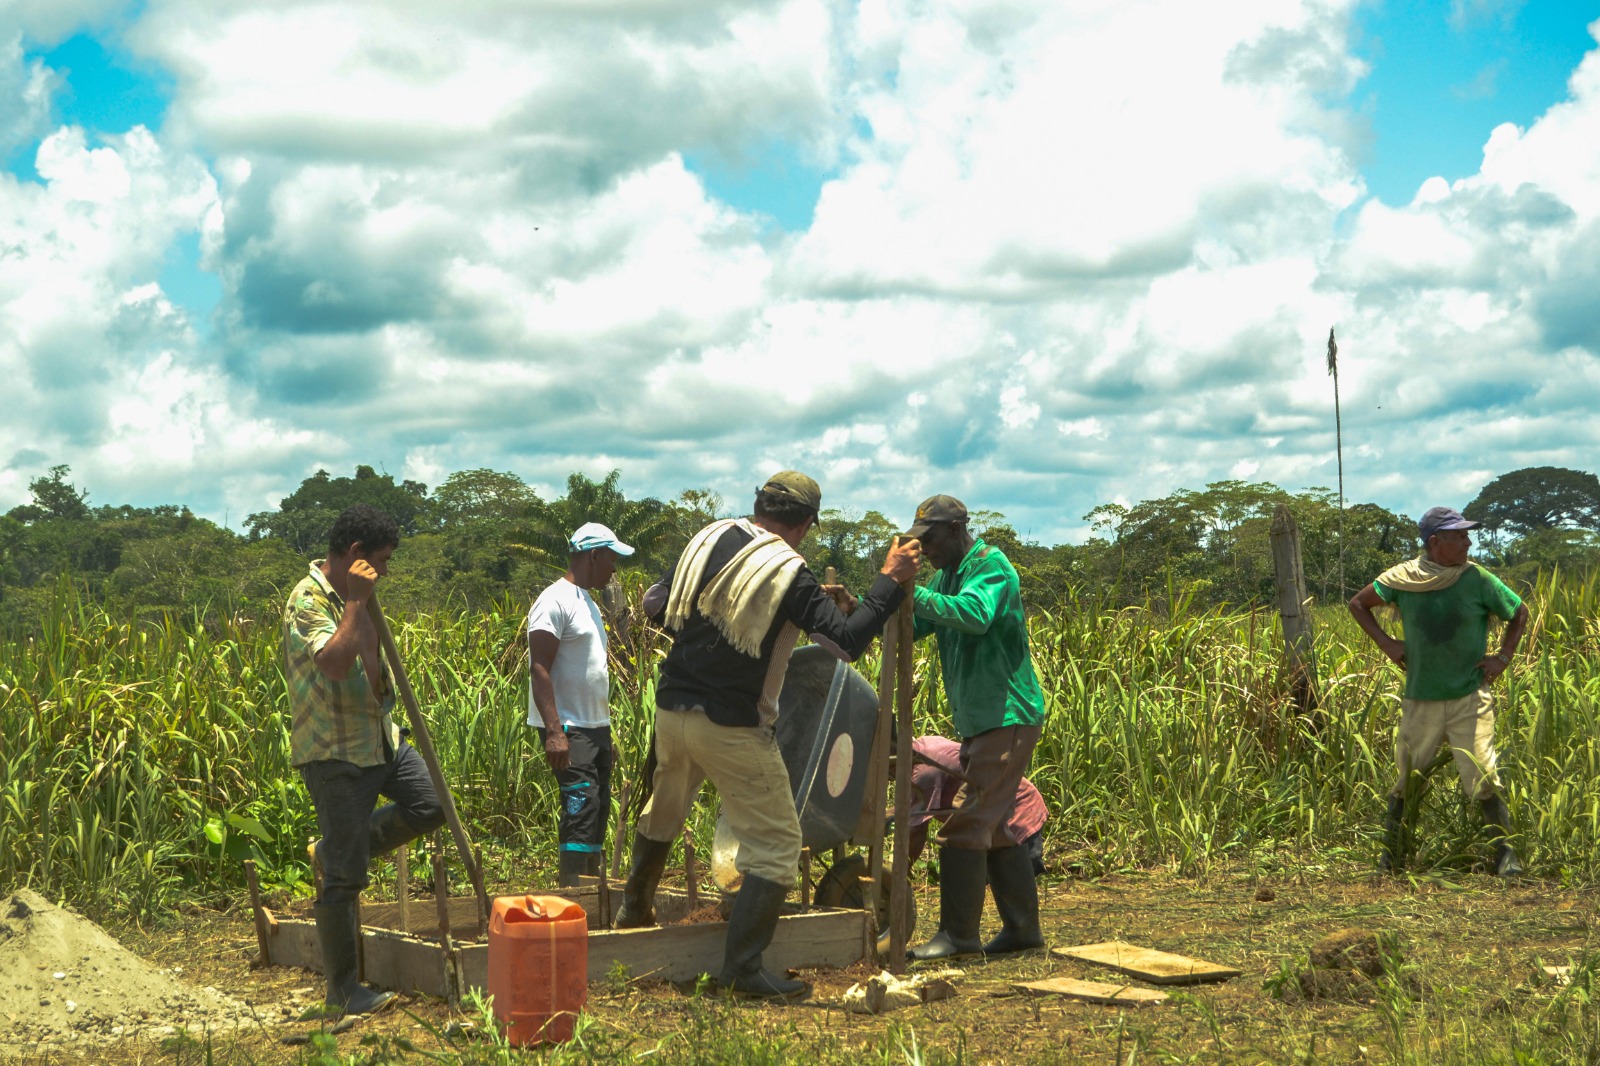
(974, 611)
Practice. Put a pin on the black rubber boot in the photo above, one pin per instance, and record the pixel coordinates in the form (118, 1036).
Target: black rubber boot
(962, 872)
(639, 894)
(337, 932)
(575, 864)
(750, 929)
(1394, 827)
(387, 830)
(1498, 822)
(1016, 897)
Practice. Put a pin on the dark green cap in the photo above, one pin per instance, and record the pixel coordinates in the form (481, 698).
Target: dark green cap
(936, 509)
(795, 486)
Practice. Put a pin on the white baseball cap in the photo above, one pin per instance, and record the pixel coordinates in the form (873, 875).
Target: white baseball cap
(593, 535)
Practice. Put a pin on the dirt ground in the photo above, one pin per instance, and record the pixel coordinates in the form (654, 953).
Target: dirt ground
(1473, 949)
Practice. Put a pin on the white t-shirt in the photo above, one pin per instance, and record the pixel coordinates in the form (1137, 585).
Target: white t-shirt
(579, 674)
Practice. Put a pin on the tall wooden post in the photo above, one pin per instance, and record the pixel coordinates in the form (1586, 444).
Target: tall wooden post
(1294, 609)
(899, 878)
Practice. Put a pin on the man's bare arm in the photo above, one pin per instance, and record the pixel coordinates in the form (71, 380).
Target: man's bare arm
(356, 637)
(542, 648)
(1361, 606)
(1495, 665)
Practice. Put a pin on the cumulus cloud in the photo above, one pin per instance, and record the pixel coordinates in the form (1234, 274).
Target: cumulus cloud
(1059, 258)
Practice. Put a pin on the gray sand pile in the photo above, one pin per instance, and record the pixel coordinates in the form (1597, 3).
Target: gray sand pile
(63, 980)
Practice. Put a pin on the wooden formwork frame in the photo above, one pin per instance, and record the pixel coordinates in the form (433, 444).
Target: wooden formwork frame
(439, 965)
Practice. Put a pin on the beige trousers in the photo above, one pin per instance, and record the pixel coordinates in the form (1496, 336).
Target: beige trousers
(1466, 724)
(752, 782)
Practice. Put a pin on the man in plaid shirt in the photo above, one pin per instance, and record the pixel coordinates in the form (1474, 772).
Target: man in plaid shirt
(344, 739)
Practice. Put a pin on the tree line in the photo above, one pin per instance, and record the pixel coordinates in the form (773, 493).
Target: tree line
(484, 536)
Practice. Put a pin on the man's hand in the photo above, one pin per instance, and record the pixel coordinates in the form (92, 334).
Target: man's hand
(842, 599)
(556, 750)
(903, 560)
(1394, 649)
(1492, 666)
(359, 582)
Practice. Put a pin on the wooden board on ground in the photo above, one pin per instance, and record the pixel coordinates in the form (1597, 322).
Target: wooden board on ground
(1147, 964)
(1093, 991)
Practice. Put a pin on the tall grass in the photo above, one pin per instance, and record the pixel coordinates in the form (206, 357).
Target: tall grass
(140, 762)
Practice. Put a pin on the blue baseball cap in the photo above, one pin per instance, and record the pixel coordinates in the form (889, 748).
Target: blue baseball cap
(1439, 519)
(593, 535)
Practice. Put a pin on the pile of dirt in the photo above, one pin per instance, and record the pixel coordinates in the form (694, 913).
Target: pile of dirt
(64, 980)
(1344, 967)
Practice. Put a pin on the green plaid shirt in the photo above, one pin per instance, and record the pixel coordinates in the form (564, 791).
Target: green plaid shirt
(331, 719)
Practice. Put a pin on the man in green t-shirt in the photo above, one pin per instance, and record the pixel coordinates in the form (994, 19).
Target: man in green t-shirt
(974, 610)
(1445, 602)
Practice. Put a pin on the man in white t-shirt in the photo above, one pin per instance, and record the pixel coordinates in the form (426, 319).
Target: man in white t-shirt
(568, 690)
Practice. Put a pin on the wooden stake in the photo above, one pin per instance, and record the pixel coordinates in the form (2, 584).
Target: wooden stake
(1290, 579)
(441, 892)
(805, 875)
(424, 746)
(691, 888)
(621, 834)
(402, 885)
(258, 913)
(899, 878)
(878, 779)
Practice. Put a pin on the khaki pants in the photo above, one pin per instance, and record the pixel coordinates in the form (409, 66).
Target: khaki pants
(994, 761)
(752, 781)
(1467, 724)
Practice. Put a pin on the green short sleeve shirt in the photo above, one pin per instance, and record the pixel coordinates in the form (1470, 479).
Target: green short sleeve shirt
(331, 719)
(1447, 632)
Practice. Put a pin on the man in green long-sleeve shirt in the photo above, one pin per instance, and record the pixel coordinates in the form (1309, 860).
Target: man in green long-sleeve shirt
(974, 611)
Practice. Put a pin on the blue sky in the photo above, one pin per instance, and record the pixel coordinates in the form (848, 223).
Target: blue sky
(1068, 263)
(1445, 74)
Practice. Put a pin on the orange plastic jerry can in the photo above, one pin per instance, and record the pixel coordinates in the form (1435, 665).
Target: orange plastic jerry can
(538, 967)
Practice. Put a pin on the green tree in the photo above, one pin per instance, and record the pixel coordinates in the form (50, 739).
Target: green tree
(304, 517)
(1538, 497)
(647, 524)
(852, 544)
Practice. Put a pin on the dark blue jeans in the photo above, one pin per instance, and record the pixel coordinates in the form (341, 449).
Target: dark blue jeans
(344, 795)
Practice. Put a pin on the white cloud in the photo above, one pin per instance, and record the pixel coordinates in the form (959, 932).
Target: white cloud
(1062, 258)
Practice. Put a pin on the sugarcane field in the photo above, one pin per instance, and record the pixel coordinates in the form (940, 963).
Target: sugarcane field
(1220, 843)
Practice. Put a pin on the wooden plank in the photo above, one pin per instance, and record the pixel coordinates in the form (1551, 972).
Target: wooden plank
(683, 952)
(1147, 964)
(405, 964)
(1093, 991)
(393, 960)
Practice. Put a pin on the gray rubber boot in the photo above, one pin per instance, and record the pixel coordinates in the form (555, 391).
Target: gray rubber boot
(639, 894)
(1394, 827)
(1497, 820)
(337, 930)
(1016, 897)
(750, 928)
(962, 872)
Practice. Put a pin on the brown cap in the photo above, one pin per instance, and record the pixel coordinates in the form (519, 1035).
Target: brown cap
(793, 485)
(936, 509)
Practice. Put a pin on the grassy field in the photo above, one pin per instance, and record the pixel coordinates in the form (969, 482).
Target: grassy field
(138, 764)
